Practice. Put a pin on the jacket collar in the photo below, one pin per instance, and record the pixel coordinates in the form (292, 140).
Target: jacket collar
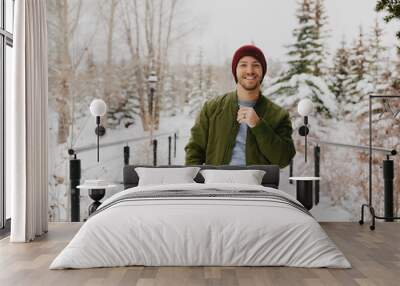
(259, 107)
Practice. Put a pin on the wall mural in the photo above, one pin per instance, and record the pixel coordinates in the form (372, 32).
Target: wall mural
(108, 49)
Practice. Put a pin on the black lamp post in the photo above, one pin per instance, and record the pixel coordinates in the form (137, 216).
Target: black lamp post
(98, 108)
(152, 82)
(305, 108)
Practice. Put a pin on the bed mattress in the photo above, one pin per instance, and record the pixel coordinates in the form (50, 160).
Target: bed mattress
(201, 225)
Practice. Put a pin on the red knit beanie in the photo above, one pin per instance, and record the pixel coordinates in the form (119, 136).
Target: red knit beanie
(252, 51)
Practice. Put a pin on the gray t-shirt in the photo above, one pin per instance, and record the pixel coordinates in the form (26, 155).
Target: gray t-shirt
(239, 151)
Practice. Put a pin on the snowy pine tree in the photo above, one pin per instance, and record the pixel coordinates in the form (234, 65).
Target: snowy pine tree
(359, 60)
(339, 78)
(370, 71)
(376, 80)
(320, 36)
(128, 87)
(358, 83)
(377, 60)
(304, 55)
(125, 106)
(302, 51)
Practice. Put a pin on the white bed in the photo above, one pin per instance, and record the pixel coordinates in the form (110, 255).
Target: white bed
(202, 231)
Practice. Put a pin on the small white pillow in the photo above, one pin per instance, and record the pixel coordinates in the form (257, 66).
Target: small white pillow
(248, 177)
(163, 176)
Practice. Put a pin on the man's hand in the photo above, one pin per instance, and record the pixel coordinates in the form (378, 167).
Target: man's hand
(247, 115)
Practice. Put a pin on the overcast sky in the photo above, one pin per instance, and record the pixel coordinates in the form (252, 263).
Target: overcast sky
(225, 25)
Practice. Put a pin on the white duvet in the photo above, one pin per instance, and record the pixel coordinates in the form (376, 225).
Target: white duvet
(200, 231)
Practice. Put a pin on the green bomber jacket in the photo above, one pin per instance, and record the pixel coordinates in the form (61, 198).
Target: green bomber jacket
(213, 135)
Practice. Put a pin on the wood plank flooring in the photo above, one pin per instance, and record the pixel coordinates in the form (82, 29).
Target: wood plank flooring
(374, 255)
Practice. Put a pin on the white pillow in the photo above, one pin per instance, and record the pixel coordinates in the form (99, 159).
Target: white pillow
(249, 177)
(163, 176)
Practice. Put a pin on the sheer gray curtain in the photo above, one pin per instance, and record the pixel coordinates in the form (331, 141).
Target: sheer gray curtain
(28, 123)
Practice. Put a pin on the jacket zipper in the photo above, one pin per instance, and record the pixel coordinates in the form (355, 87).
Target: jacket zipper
(232, 141)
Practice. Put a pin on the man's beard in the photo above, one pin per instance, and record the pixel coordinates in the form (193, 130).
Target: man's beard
(248, 87)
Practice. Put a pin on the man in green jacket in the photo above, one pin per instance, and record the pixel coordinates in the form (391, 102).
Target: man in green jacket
(242, 127)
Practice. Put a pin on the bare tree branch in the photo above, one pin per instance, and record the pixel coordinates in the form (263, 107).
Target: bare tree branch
(169, 29)
(75, 22)
(160, 22)
(127, 26)
(137, 27)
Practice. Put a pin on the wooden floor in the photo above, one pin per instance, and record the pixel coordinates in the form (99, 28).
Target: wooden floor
(374, 255)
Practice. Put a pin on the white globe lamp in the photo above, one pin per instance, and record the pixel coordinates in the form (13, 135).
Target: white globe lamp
(305, 107)
(98, 108)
